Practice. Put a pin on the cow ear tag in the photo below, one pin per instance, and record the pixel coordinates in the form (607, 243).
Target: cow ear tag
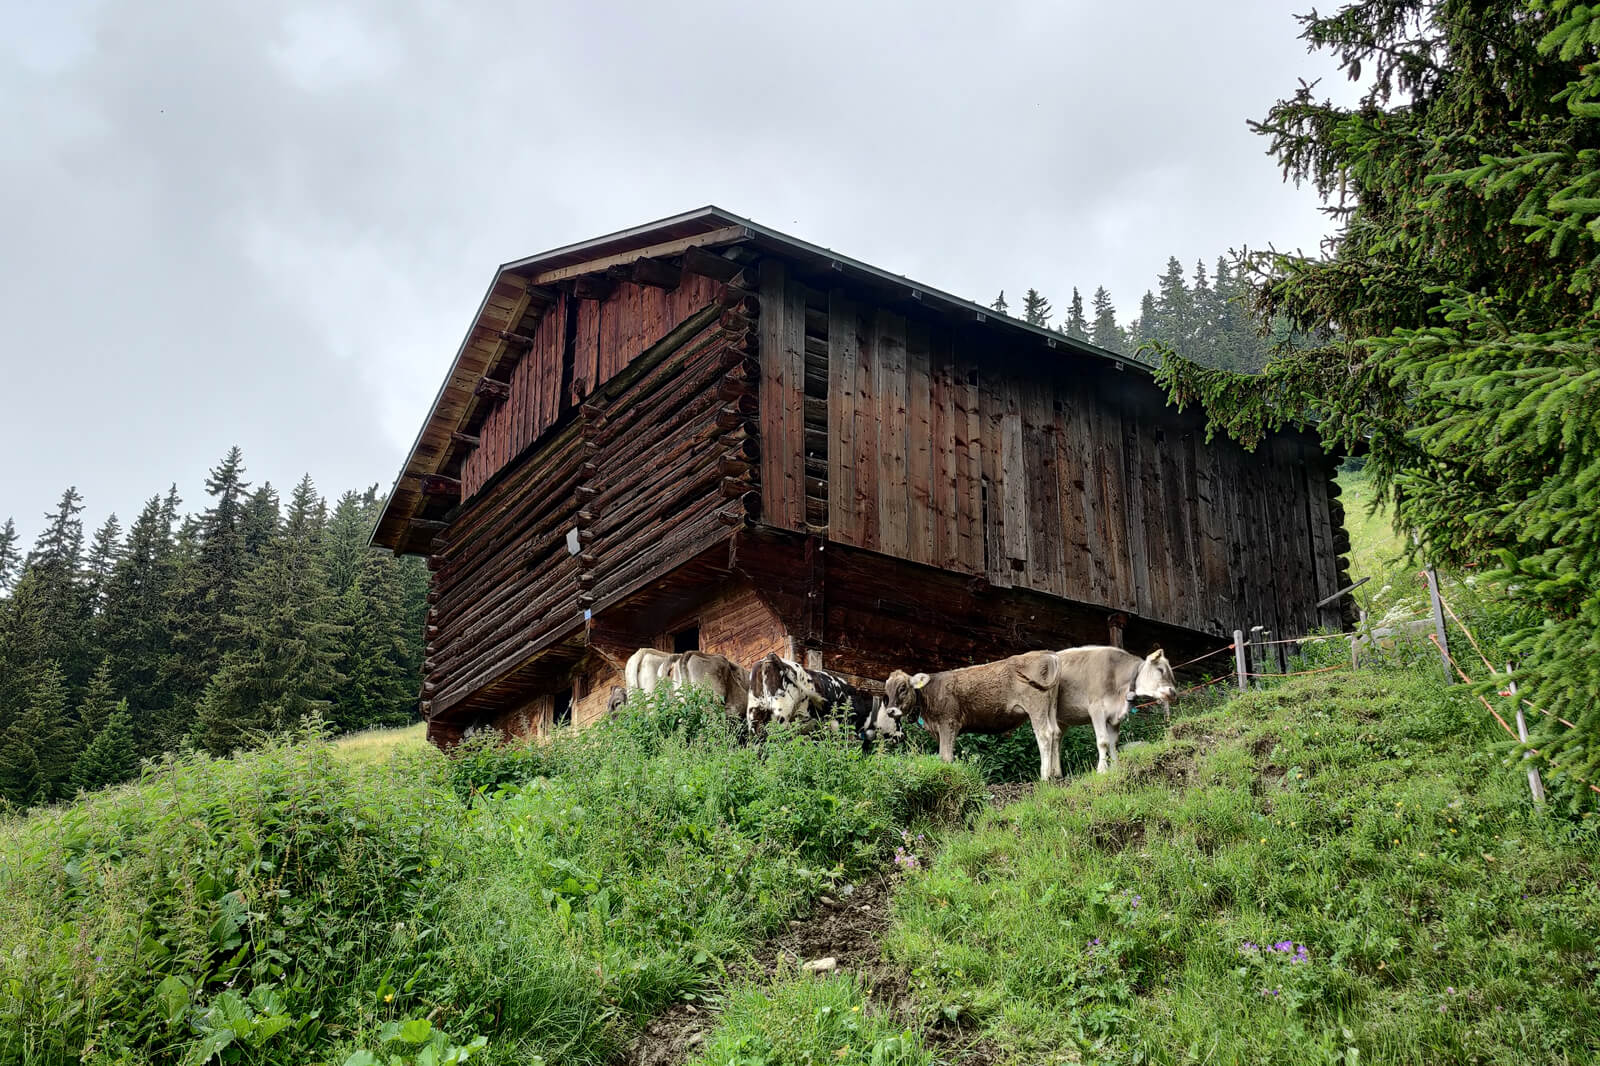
(919, 682)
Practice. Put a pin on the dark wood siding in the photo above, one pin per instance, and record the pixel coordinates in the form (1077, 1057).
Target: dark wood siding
(1038, 469)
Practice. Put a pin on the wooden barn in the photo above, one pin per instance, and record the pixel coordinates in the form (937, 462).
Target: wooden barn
(703, 433)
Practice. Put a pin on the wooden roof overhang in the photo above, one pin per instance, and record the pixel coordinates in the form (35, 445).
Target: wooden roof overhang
(522, 289)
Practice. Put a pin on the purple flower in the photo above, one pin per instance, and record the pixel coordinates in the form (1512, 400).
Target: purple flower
(1284, 946)
(1442, 1008)
(1450, 989)
(1247, 947)
(1095, 942)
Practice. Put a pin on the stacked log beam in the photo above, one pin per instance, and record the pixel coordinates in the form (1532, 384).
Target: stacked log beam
(645, 474)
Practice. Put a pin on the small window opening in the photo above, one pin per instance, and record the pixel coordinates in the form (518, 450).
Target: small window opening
(686, 640)
(561, 714)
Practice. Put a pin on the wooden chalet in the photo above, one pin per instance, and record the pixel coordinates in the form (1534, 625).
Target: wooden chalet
(704, 433)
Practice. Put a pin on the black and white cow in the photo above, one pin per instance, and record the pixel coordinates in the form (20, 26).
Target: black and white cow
(787, 693)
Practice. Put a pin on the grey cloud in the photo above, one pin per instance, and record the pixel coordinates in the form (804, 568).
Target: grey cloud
(269, 223)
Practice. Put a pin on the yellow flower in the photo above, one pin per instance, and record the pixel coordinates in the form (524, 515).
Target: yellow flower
(389, 998)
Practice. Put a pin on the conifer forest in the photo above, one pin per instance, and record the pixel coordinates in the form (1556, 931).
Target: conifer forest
(208, 629)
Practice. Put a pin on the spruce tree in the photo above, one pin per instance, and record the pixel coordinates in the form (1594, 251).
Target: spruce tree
(1105, 332)
(1076, 325)
(212, 562)
(258, 527)
(133, 628)
(1035, 309)
(281, 664)
(52, 597)
(1175, 308)
(10, 556)
(1000, 303)
(104, 551)
(1451, 333)
(36, 751)
(111, 757)
(1149, 325)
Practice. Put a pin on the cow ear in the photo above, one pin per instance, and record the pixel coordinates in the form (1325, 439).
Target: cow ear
(1155, 656)
(920, 681)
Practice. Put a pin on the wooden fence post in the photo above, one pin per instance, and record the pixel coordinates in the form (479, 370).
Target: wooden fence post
(1239, 664)
(1535, 783)
(1355, 640)
(1258, 636)
(1438, 624)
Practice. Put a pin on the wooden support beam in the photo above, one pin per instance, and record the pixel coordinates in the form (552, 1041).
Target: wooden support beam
(656, 272)
(440, 485)
(428, 525)
(666, 249)
(468, 439)
(515, 339)
(493, 389)
(710, 264)
(593, 287)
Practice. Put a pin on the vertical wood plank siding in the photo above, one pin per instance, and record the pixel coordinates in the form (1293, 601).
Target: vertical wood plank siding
(611, 334)
(1040, 470)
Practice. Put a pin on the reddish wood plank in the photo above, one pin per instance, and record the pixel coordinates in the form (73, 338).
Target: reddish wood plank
(866, 430)
(794, 395)
(920, 508)
(844, 354)
(889, 330)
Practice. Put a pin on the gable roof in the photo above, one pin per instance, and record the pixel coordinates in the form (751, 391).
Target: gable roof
(518, 283)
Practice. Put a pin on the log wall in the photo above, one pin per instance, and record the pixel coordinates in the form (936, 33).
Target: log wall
(635, 477)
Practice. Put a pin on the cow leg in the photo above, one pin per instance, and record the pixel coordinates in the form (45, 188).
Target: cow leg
(1047, 731)
(1113, 732)
(1103, 740)
(947, 740)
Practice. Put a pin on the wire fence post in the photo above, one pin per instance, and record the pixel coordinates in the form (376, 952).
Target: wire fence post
(1535, 783)
(1438, 624)
(1258, 637)
(1239, 665)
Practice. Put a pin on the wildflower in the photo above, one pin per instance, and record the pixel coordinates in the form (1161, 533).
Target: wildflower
(1443, 1008)
(1094, 943)
(388, 997)
(1450, 989)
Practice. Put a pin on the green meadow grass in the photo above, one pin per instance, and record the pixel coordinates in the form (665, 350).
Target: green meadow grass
(1330, 871)
(376, 745)
(298, 905)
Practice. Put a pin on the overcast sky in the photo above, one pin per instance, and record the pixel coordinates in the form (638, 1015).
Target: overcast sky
(269, 223)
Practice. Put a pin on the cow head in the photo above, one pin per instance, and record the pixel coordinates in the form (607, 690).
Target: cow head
(618, 697)
(1155, 680)
(902, 696)
(780, 692)
(882, 724)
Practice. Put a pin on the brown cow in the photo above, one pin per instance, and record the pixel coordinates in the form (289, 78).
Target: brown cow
(717, 674)
(1099, 685)
(646, 668)
(992, 698)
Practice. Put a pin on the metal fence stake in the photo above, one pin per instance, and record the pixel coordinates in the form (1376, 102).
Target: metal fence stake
(1438, 624)
(1239, 664)
(1535, 783)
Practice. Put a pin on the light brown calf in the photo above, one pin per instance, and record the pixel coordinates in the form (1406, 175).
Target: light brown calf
(991, 698)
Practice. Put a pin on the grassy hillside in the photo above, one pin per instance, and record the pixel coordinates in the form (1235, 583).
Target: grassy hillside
(1332, 871)
(298, 905)
(376, 745)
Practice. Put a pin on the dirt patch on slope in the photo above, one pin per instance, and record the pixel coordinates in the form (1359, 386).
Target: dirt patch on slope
(849, 928)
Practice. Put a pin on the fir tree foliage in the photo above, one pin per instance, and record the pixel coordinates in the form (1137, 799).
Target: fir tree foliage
(1454, 321)
(10, 556)
(1104, 332)
(1000, 303)
(1076, 325)
(321, 623)
(1036, 309)
(281, 666)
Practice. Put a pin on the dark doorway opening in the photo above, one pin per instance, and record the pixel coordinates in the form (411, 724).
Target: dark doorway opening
(561, 713)
(686, 640)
